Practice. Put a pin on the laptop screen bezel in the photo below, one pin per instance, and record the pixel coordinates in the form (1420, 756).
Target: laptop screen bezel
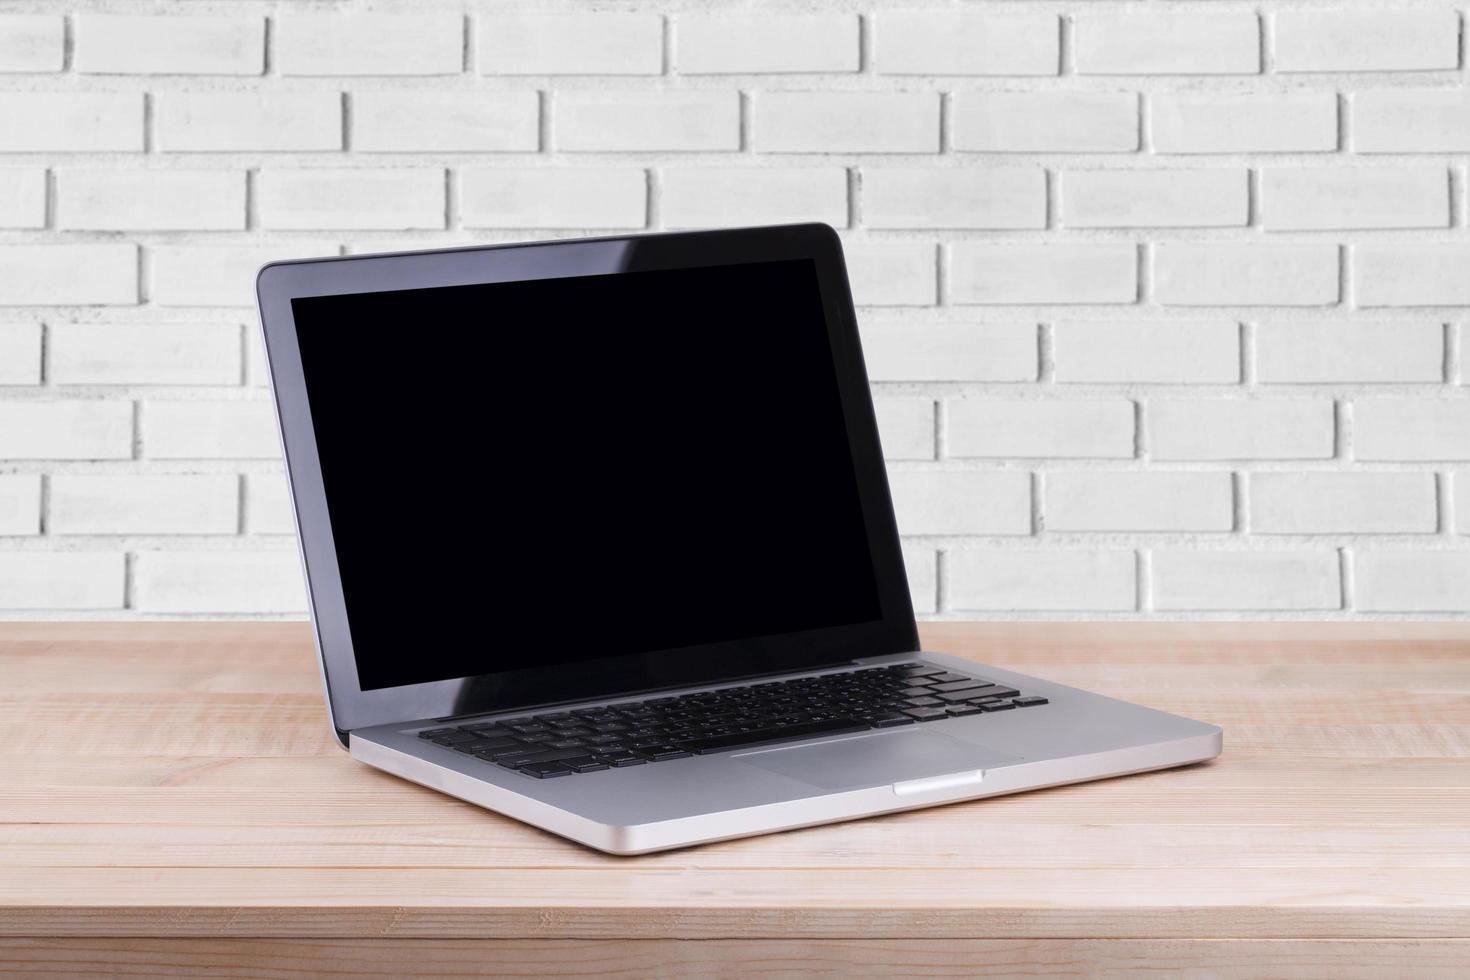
(351, 707)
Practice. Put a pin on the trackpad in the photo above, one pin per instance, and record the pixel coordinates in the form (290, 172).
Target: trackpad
(872, 760)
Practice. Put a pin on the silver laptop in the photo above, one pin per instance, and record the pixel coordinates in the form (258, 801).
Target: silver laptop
(597, 535)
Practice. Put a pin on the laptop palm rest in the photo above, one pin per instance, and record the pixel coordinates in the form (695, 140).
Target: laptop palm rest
(877, 758)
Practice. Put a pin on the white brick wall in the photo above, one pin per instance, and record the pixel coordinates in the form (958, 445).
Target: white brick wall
(1164, 304)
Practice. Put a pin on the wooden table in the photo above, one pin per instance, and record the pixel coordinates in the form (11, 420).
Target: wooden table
(171, 802)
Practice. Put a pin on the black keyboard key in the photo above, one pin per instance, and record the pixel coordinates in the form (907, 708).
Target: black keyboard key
(585, 765)
(948, 677)
(995, 692)
(959, 710)
(923, 702)
(485, 745)
(891, 721)
(508, 752)
(454, 738)
(1030, 702)
(926, 714)
(916, 692)
(660, 753)
(553, 755)
(955, 697)
(565, 743)
(604, 739)
(436, 732)
(965, 684)
(620, 760)
(997, 706)
(784, 733)
(545, 770)
(918, 670)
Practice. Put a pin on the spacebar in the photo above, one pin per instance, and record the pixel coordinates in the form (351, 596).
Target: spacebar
(724, 743)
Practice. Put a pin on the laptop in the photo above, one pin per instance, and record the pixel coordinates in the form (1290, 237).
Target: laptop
(597, 535)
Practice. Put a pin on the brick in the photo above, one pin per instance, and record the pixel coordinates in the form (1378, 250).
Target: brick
(368, 44)
(938, 502)
(71, 122)
(1045, 122)
(1031, 427)
(91, 274)
(1460, 503)
(724, 44)
(846, 122)
(132, 504)
(1327, 353)
(1412, 581)
(150, 200)
(22, 198)
(950, 351)
(906, 427)
(66, 430)
(892, 273)
(227, 122)
(1325, 198)
(20, 353)
(351, 199)
(210, 430)
(1411, 121)
(1146, 352)
(32, 43)
(1238, 428)
(1044, 581)
(1343, 503)
(148, 44)
(61, 580)
(923, 575)
(711, 197)
(1213, 198)
(1411, 429)
(954, 197)
(1059, 273)
(144, 354)
(1245, 274)
(1091, 500)
(942, 43)
(1246, 580)
(219, 582)
(1411, 273)
(219, 275)
(588, 121)
(1367, 40)
(403, 122)
(571, 44)
(1172, 43)
(257, 371)
(553, 197)
(20, 504)
(268, 504)
(1267, 122)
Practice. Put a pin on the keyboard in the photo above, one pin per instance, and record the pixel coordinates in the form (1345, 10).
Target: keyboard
(563, 743)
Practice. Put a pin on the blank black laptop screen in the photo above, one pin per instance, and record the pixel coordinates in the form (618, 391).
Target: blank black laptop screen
(540, 472)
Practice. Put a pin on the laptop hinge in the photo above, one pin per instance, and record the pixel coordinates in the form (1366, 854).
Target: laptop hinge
(654, 690)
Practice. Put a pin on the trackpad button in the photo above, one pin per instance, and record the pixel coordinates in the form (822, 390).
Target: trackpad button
(873, 760)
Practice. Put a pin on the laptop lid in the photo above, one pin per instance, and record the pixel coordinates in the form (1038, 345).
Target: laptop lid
(539, 473)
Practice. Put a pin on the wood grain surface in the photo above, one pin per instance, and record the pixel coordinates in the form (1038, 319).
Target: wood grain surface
(171, 802)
